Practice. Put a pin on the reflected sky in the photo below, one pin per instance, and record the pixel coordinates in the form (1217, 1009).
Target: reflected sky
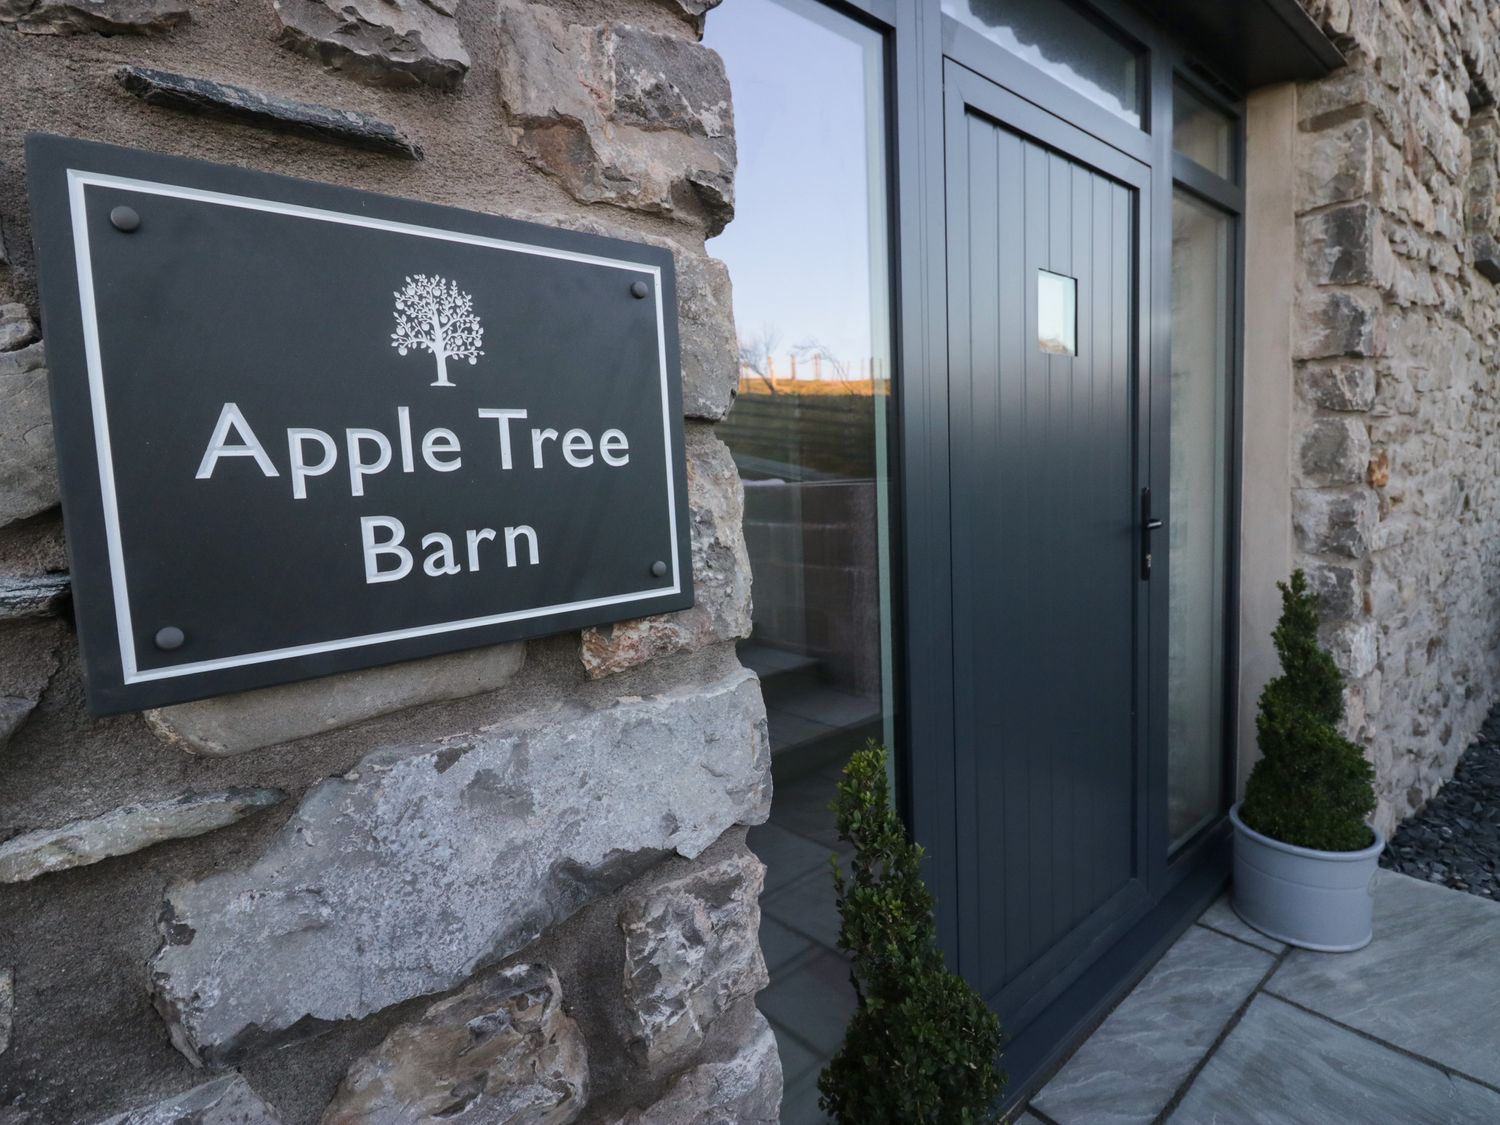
(799, 247)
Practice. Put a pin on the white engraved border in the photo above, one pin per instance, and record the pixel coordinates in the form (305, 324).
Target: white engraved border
(77, 181)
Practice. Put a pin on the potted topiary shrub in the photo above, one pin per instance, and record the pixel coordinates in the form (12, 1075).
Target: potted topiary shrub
(922, 1046)
(1304, 854)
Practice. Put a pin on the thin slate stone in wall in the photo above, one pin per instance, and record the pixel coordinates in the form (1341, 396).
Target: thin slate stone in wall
(7, 1007)
(382, 42)
(108, 17)
(252, 720)
(421, 865)
(224, 1101)
(127, 829)
(503, 1050)
(269, 111)
(32, 595)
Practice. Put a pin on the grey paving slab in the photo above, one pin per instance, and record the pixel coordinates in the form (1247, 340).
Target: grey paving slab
(1221, 916)
(1130, 1068)
(832, 707)
(781, 946)
(807, 906)
(787, 855)
(813, 1000)
(1428, 983)
(797, 1059)
(1282, 1066)
(799, 1102)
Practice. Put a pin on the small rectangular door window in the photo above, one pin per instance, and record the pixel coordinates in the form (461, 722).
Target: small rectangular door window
(1056, 313)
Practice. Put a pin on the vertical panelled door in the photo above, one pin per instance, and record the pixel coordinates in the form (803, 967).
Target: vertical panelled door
(1045, 229)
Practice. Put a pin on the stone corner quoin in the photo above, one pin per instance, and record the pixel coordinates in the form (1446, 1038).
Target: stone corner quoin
(421, 865)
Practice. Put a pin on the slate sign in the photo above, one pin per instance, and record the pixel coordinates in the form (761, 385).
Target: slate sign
(303, 429)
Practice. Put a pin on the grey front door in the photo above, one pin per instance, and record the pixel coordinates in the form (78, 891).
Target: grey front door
(1045, 228)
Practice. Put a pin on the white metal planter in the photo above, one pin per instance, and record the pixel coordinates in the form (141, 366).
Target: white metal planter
(1317, 900)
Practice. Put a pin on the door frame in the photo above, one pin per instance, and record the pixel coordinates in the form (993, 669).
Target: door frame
(926, 48)
(965, 92)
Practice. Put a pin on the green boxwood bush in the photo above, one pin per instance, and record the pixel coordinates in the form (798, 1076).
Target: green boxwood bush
(1312, 787)
(922, 1047)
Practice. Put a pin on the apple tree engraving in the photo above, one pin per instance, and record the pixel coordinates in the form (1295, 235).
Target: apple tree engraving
(434, 314)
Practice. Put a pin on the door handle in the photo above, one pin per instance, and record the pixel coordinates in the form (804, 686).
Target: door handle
(1148, 524)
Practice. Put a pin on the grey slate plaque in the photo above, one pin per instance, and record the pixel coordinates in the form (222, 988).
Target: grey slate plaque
(303, 429)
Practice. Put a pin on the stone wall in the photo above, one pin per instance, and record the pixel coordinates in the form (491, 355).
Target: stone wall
(1396, 491)
(505, 885)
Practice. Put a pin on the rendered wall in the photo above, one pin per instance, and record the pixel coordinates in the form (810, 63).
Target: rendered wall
(503, 885)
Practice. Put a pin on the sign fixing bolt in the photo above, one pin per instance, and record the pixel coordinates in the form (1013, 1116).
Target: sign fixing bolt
(126, 219)
(169, 638)
(658, 568)
(639, 289)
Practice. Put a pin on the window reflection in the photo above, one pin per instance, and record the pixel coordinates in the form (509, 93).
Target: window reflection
(808, 255)
(1063, 42)
(1198, 528)
(1057, 313)
(1202, 133)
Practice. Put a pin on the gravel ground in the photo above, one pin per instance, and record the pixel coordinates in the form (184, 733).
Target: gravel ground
(1455, 839)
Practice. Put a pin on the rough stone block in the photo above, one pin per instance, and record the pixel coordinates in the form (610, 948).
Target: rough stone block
(14, 711)
(662, 82)
(692, 949)
(424, 864)
(744, 1089)
(381, 42)
(1329, 522)
(1345, 246)
(502, 1050)
(1336, 324)
(1335, 451)
(32, 595)
(127, 829)
(619, 115)
(251, 720)
(1339, 588)
(1338, 386)
(1353, 649)
(705, 326)
(721, 572)
(224, 1101)
(1335, 164)
(28, 458)
(694, 11)
(252, 107)
(108, 17)
(17, 329)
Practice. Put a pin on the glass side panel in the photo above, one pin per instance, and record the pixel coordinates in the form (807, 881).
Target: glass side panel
(1065, 43)
(1202, 133)
(808, 252)
(1198, 524)
(1056, 313)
